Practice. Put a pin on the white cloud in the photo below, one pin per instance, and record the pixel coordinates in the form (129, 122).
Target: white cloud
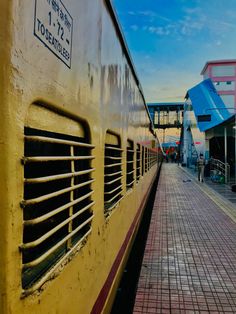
(185, 27)
(227, 24)
(195, 10)
(147, 13)
(159, 30)
(150, 14)
(134, 27)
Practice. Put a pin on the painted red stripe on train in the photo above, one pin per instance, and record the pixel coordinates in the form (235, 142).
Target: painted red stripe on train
(102, 297)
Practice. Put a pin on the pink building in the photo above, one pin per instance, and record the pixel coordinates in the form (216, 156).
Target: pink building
(223, 74)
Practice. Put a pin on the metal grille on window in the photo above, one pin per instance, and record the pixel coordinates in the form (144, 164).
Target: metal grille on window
(130, 165)
(113, 177)
(57, 202)
(146, 159)
(153, 156)
(143, 160)
(150, 158)
(138, 163)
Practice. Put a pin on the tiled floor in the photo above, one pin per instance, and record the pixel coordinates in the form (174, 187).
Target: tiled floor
(223, 189)
(189, 264)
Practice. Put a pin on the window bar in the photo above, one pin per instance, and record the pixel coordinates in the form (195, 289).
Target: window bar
(114, 148)
(113, 176)
(138, 165)
(111, 182)
(130, 172)
(44, 237)
(45, 197)
(44, 217)
(58, 176)
(143, 161)
(35, 138)
(149, 159)
(113, 165)
(129, 165)
(54, 158)
(70, 224)
(57, 245)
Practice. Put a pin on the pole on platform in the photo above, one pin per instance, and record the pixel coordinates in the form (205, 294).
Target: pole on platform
(164, 130)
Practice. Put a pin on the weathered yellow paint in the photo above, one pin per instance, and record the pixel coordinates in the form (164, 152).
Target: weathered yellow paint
(99, 92)
(42, 118)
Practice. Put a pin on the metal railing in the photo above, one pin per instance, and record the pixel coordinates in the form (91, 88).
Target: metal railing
(219, 169)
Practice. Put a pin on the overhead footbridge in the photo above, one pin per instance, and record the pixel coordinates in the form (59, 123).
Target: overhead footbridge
(166, 115)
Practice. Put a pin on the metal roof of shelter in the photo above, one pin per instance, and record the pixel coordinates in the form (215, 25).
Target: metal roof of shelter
(230, 121)
(208, 106)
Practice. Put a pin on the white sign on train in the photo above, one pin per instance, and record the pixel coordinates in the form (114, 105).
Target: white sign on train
(53, 26)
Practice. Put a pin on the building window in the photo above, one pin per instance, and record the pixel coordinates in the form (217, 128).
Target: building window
(225, 86)
(223, 70)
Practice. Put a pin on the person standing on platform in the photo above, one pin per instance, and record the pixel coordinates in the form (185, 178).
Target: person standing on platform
(200, 167)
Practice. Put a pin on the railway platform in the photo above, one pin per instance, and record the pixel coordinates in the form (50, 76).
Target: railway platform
(189, 264)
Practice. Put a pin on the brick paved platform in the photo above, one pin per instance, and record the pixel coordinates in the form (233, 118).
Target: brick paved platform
(189, 264)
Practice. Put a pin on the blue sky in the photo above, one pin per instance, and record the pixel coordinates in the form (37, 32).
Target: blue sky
(171, 40)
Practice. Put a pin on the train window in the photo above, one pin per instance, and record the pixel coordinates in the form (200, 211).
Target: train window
(143, 160)
(146, 159)
(130, 165)
(57, 201)
(112, 172)
(149, 159)
(138, 162)
(153, 156)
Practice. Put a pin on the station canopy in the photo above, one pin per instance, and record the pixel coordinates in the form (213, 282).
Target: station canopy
(209, 108)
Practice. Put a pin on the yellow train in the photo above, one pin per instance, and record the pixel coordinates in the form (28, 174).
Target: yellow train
(78, 156)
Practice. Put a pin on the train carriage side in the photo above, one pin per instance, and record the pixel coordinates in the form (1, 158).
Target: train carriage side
(78, 156)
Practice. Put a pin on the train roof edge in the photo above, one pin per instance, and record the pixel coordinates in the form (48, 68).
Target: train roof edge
(128, 56)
